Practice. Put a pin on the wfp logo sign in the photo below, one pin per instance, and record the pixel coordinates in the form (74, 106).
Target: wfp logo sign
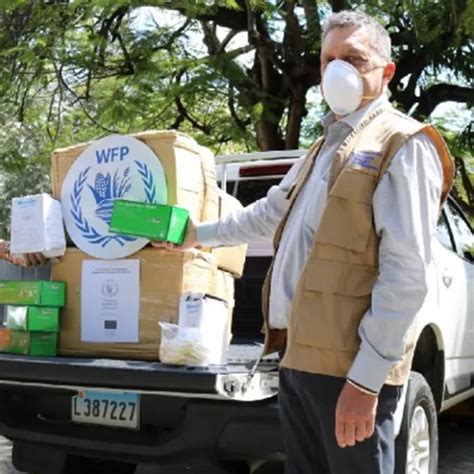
(116, 167)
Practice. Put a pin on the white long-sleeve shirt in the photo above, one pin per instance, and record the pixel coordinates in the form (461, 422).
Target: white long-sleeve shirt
(406, 208)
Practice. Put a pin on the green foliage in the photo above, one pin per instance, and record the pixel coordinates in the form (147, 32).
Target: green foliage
(72, 71)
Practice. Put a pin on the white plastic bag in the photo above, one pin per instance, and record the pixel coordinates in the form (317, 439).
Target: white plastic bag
(183, 346)
(209, 315)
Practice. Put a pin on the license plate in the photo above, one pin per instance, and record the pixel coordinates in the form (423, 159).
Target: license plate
(119, 409)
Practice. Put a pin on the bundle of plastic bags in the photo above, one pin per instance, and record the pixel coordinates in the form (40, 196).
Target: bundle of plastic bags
(184, 346)
(201, 337)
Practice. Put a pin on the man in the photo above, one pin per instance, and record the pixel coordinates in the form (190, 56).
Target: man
(353, 223)
(26, 260)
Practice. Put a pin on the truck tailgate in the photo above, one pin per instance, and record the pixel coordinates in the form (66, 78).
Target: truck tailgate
(225, 381)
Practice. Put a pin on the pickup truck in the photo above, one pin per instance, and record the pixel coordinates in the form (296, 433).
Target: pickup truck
(218, 419)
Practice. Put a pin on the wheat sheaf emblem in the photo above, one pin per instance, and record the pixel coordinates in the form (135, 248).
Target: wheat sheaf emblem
(106, 190)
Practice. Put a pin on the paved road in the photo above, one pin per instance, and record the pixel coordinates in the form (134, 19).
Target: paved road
(456, 448)
(5, 452)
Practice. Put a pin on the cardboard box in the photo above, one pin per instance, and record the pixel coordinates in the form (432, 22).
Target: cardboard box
(37, 226)
(230, 259)
(33, 343)
(32, 318)
(210, 209)
(209, 316)
(165, 276)
(191, 180)
(38, 293)
(180, 156)
(153, 221)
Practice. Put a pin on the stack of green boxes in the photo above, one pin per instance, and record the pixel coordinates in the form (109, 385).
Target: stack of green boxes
(32, 315)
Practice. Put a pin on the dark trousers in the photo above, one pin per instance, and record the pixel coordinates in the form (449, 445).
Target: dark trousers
(307, 413)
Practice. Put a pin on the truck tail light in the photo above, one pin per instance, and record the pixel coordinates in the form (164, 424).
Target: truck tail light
(263, 170)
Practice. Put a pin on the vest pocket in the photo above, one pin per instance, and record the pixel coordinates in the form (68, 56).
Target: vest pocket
(333, 300)
(356, 185)
(345, 224)
(348, 218)
(341, 278)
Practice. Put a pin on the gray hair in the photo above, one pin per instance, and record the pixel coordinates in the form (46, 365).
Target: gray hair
(381, 42)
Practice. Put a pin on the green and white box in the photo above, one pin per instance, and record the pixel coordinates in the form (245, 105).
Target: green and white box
(37, 226)
(38, 293)
(153, 221)
(32, 318)
(33, 343)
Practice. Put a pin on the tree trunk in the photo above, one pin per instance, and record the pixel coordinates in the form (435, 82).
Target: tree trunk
(295, 117)
(269, 136)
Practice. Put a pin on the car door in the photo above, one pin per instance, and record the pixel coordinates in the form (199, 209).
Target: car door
(464, 243)
(455, 278)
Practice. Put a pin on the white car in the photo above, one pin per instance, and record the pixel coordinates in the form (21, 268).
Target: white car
(443, 366)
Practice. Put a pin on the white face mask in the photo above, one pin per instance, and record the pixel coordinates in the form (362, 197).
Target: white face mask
(343, 87)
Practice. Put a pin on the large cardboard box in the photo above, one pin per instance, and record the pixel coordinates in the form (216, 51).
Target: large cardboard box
(191, 180)
(230, 259)
(164, 277)
(180, 155)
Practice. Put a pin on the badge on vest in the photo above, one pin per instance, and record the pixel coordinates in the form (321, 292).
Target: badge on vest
(365, 160)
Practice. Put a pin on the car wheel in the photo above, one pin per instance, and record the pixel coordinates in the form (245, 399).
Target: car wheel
(416, 447)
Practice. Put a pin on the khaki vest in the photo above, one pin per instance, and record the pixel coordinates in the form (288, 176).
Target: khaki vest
(334, 290)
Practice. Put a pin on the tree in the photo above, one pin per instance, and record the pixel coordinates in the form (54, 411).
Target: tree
(461, 146)
(236, 74)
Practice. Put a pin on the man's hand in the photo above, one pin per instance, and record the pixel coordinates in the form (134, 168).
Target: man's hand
(28, 260)
(190, 239)
(355, 415)
(25, 260)
(31, 260)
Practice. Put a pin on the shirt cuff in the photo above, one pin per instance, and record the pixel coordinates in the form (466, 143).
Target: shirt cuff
(360, 387)
(369, 370)
(206, 234)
